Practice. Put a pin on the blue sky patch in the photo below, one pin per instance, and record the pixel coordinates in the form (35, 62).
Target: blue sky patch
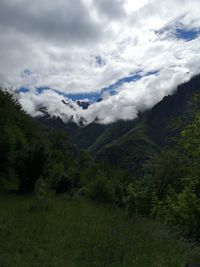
(41, 89)
(91, 96)
(179, 31)
(22, 90)
(187, 34)
(95, 96)
(99, 61)
(155, 72)
(131, 78)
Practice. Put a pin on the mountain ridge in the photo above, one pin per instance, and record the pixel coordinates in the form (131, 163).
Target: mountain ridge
(125, 142)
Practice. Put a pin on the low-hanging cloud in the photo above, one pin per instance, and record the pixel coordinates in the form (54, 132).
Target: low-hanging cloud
(82, 46)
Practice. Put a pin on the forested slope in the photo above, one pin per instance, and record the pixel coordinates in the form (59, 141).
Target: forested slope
(125, 143)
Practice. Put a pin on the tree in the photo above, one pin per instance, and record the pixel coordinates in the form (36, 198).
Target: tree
(191, 143)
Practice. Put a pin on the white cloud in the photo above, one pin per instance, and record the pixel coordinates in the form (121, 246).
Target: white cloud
(59, 41)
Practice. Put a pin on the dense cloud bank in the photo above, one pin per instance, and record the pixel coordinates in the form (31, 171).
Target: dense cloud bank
(82, 46)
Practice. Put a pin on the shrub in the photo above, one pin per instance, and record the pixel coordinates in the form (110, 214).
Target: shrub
(41, 202)
(101, 190)
(180, 209)
(136, 200)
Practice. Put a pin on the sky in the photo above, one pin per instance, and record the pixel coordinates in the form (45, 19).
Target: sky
(128, 53)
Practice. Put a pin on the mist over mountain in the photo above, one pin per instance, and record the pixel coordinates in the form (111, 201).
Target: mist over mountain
(126, 142)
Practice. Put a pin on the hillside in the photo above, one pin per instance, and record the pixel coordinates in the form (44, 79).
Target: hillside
(133, 170)
(33, 154)
(151, 131)
(129, 143)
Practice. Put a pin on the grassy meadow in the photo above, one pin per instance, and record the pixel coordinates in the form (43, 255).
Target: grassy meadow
(74, 233)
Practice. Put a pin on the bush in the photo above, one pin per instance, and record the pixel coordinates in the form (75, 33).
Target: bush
(101, 190)
(180, 209)
(41, 202)
(137, 199)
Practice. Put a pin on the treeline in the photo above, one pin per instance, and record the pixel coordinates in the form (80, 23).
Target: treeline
(34, 158)
(170, 188)
(30, 152)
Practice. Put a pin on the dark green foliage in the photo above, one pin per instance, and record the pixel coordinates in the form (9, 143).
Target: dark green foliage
(29, 167)
(176, 198)
(180, 209)
(137, 199)
(101, 190)
(21, 153)
(130, 151)
(29, 152)
(169, 189)
(32, 153)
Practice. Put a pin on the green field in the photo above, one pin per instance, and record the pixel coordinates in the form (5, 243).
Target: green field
(77, 233)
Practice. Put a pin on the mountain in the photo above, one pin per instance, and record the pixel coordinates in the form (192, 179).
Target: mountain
(176, 106)
(83, 103)
(142, 176)
(150, 132)
(129, 143)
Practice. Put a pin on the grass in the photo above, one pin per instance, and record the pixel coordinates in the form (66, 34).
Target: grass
(81, 234)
